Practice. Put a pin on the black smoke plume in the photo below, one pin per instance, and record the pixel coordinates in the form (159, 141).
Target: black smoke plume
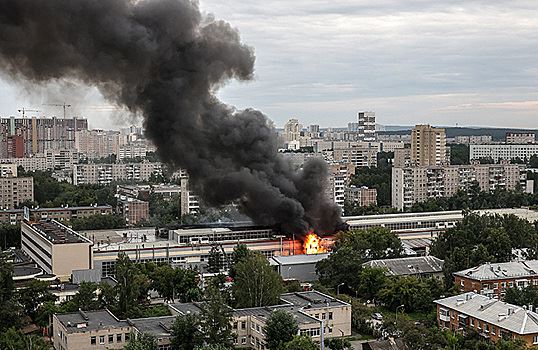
(164, 60)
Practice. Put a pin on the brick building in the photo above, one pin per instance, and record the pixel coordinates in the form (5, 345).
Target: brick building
(489, 317)
(492, 279)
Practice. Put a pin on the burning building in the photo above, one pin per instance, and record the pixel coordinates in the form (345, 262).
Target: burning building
(164, 60)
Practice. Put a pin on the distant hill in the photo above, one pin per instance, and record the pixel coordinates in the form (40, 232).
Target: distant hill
(497, 134)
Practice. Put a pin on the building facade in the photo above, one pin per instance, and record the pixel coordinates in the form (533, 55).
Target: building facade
(361, 196)
(498, 152)
(493, 279)
(428, 146)
(38, 134)
(520, 137)
(488, 317)
(418, 184)
(15, 190)
(104, 174)
(366, 126)
(55, 248)
(133, 210)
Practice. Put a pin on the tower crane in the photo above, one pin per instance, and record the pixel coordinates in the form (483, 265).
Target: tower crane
(63, 105)
(24, 110)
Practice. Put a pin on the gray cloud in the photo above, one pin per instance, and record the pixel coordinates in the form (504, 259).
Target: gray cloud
(322, 60)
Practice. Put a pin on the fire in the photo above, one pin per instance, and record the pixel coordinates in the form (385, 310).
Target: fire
(312, 244)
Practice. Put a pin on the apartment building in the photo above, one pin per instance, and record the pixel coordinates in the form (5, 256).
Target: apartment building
(8, 170)
(488, 317)
(417, 184)
(361, 196)
(314, 312)
(137, 149)
(55, 248)
(28, 163)
(499, 152)
(360, 155)
(492, 279)
(190, 203)
(98, 143)
(15, 190)
(473, 139)
(339, 177)
(520, 137)
(13, 216)
(366, 126)
(428, 146)
(133, 210)
(106, 173)
(38, 134)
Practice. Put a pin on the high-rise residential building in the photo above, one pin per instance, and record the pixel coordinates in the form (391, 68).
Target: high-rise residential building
(339, 178)
(520, 137)
(292, 130)
(136, 149)
(428, 146)
(402, 158)
(98, 143)
(36, 135)
(190, 203)
(106, 173)
(497, 152)
(366, 127)
(418, 184)
(15, 190)
(353, 127)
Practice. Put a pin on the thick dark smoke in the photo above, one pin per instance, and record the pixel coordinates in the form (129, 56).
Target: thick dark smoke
(164, 60)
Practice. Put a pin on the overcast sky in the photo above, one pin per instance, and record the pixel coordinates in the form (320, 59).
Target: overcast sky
(413, 61)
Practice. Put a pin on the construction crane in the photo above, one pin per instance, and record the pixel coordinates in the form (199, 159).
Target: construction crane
(24, 110)
(63, 105)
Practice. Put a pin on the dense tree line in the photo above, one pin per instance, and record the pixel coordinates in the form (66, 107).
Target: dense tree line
(10, 236)
(98, 222)
(379, 178)
(484, 238)
(459, 154)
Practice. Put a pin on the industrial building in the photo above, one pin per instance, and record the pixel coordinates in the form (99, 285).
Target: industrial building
(300, 267)
(55, 248)
(420, 266)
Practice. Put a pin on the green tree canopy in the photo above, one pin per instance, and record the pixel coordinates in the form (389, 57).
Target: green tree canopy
(280, 329)
(301, 342)
(142, 341)
(256, 283)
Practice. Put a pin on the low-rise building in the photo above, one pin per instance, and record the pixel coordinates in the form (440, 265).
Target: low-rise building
(492, 279)
(520, 137)
(300, 267)
(55, 248)
(489, 317)
(361, 196)
(496, 152)
(133, 210)
(422, 266)
(315, 313)
(8, 170)
(14, 216)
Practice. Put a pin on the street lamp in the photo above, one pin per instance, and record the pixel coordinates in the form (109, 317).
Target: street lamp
(338, 288)
(401, 306)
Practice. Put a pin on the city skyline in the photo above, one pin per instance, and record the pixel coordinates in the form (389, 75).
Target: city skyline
(470, 64)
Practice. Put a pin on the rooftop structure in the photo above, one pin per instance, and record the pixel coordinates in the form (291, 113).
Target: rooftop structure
(57, 233)
(418, 266)
(491, 318)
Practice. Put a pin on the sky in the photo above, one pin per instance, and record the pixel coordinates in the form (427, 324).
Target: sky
(465, 63)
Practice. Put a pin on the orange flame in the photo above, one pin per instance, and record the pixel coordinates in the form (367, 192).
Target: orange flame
(312, 244)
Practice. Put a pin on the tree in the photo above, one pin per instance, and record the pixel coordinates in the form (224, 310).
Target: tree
(459, 154)
(300, 342)
(371, 281)
(216, 319)
(338, 344)
(12, 339)
(33, 295)
(215, 260)
(10, 236)
(186, 332)
(240, 253)
(174, 283)
(8, 307)
(379, 178)
(143, 341)
(416, 294)
(353, 248)
(280, 329)
(256, 283)
(132, 287)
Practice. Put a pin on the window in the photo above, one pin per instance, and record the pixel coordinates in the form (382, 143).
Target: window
(127, 336)
(101, 339)
(118, 338)
(93, 340)
(330, 315)
(535, 339)
(243, 340)
(111, 338)
(323, 315)
(243, 324)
